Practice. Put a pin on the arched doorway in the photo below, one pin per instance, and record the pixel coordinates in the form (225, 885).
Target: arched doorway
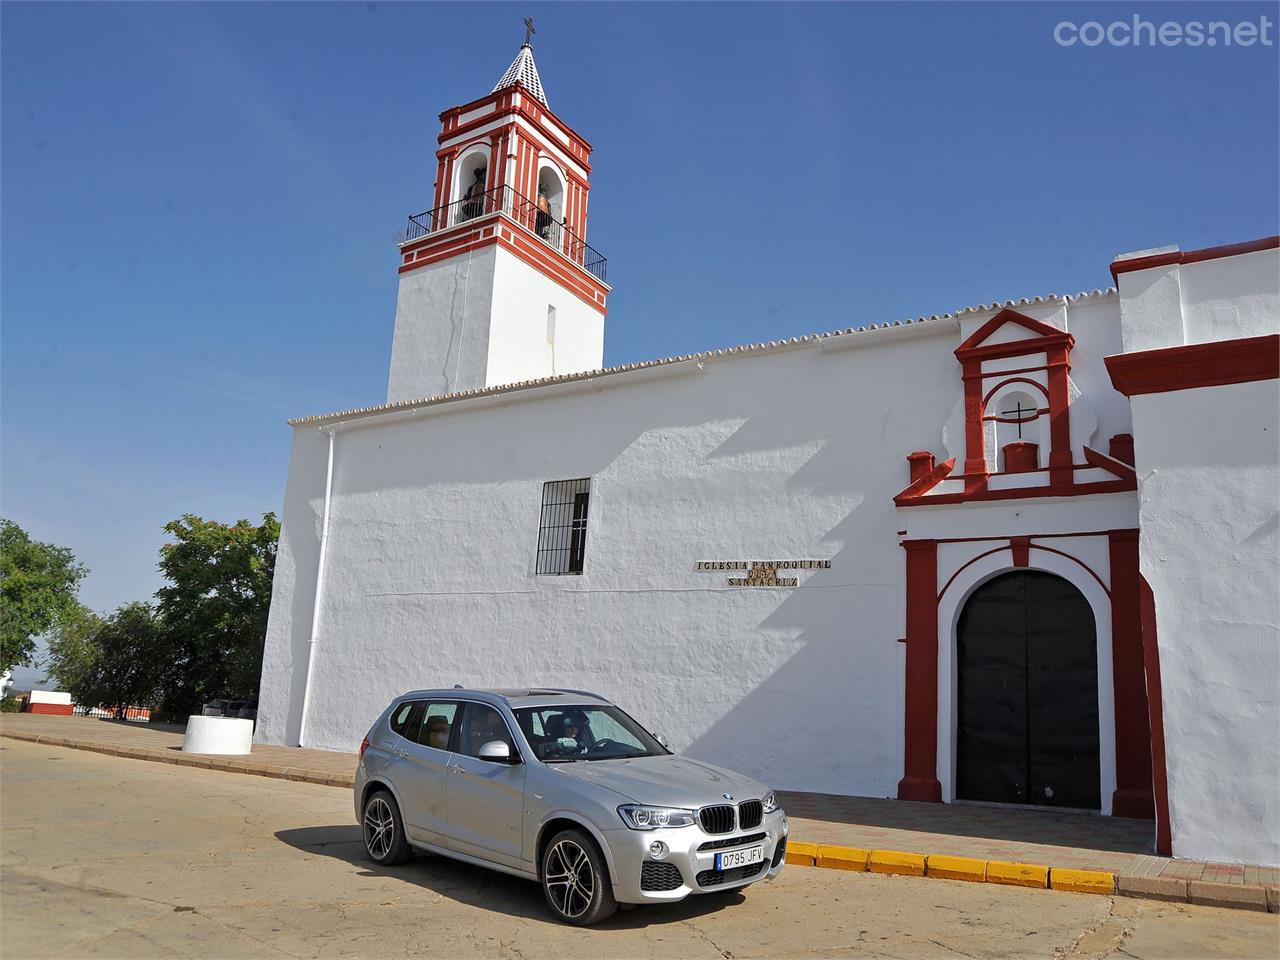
(1027, 697)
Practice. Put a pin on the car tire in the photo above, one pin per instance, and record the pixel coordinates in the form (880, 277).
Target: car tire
(383, 830)
(575, 879)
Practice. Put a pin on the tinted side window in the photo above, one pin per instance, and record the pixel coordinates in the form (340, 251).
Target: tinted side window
(406, 718)
(481, 724)
(437, 724)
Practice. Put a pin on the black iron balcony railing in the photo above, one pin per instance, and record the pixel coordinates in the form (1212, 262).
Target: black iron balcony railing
(523, 211)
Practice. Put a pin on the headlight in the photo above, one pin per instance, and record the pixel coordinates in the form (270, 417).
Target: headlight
(769, 802)
(639, 817)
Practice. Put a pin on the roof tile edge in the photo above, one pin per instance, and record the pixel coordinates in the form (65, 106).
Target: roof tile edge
(740, 350)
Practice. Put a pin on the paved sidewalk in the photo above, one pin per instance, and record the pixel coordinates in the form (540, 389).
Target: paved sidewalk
(163, 742)
(1070, 840)
(1064, 840)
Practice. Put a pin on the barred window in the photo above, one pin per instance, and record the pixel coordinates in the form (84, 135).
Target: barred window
(562, 531)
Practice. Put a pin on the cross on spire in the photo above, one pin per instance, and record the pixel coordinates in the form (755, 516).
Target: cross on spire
(523, 70)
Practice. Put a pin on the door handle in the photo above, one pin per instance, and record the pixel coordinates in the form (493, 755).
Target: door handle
(457, 769)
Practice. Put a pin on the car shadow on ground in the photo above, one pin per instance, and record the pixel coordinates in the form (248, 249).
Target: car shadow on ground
(488, 889)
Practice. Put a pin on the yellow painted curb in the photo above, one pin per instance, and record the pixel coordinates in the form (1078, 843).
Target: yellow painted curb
(1082, 881)
(801, 853)
(956, 868)
(1018, 874)
(895, 861)
(842, 858)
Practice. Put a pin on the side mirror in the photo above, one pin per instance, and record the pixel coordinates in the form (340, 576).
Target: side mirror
(497, 751)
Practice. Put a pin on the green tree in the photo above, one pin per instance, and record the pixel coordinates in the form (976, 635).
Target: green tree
(131, 662)
(214, 608)
(73, 652)
(38, 585)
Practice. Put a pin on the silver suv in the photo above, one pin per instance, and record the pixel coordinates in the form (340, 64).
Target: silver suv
(562, 787)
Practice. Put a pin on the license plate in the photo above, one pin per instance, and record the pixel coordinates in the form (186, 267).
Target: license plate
(739, 858)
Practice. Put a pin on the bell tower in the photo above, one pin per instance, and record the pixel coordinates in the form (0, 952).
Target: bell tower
(497, 281)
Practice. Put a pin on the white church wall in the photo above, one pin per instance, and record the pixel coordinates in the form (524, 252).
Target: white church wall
(434, 528)
(1208, 460)
(441, 341)
(284, 659)
(1223, 298)
(1095, 323)
(1231, 297)
(518, 345)
(1151, 304)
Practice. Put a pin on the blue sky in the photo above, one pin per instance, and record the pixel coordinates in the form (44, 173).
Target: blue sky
(200, 201)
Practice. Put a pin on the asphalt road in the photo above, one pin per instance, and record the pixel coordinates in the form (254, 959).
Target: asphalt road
(107, 857)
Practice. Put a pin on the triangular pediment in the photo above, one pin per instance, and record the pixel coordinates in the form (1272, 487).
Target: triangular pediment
(1009, 328)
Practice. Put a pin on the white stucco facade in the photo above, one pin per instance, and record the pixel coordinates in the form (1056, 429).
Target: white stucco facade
(1211, 553)
(434, 527)
(484, 318)
(434, 524)
(1208, 462)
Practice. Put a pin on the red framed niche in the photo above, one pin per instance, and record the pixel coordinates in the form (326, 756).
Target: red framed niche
(1056, 345)
(1052, 400)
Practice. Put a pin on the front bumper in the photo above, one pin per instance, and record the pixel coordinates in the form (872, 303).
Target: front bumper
(629, 852)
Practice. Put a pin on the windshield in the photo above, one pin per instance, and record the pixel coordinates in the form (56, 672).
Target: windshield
(563, 734)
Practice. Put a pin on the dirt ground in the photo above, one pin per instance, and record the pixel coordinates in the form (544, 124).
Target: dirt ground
(108, 857)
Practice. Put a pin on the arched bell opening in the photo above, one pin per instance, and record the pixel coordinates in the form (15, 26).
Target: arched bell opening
(470, 189)
(549, 219)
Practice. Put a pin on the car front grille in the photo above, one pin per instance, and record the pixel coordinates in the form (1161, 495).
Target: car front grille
(660, 876)
(731, 841)
(750, 813)
(717, 819)
(714, 878)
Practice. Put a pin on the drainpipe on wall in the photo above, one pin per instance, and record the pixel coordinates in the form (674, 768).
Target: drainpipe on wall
(315, 609)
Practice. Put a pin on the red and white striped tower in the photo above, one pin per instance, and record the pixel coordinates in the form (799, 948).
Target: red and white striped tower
(497, 282)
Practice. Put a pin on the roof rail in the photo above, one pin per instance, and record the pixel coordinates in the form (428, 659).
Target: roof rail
(581, 693)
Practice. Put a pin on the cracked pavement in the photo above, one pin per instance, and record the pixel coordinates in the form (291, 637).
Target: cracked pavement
(108, 857)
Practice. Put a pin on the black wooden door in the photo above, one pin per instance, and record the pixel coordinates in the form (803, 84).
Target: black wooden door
(1027, 667)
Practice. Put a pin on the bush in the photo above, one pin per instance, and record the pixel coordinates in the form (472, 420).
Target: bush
(10, 705)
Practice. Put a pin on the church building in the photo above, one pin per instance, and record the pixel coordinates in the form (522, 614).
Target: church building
(1024, 552)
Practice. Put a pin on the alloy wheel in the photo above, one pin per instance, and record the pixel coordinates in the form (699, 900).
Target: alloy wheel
(379, 828)
(571, 883)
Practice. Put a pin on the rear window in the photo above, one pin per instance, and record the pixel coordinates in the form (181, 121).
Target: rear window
(405, 718)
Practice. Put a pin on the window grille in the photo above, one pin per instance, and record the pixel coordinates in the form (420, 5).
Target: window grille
(562, 531)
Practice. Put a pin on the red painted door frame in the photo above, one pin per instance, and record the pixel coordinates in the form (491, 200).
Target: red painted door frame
(1133, 796)
(920, 747)
(1140, 790)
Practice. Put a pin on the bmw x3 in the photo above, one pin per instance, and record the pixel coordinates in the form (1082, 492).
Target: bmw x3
(561, 787)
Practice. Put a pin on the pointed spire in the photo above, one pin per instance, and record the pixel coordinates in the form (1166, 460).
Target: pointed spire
(523, 70)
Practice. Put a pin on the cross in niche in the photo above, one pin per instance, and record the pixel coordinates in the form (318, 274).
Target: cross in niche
(528, 30)
(1018, 414)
